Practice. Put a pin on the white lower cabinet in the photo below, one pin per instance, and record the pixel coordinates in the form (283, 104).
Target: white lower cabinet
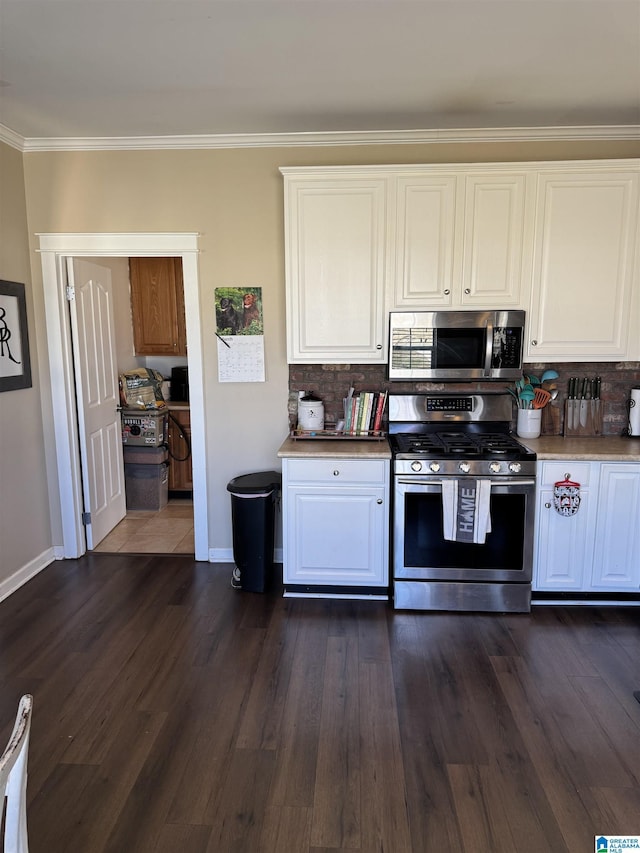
(598, 548)
(616, 554)
(335, 524)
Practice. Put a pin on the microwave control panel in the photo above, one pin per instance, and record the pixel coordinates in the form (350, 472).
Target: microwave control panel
(507, 346)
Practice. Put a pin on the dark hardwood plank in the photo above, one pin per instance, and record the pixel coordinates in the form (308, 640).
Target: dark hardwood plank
(384, 817)
(336, 805)
(174, 713)
(295, 773)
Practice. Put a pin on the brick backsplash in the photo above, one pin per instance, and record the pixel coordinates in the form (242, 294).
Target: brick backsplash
(331, 382)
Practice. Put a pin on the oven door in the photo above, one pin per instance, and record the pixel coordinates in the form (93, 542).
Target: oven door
(420, 551)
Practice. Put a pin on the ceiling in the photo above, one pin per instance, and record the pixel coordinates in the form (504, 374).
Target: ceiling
(157, 68)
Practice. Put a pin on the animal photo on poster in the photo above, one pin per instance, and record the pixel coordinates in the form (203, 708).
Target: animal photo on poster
(239, 311)
(15, 362)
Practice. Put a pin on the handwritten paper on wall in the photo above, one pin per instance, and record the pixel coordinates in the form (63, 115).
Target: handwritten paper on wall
(240, 334)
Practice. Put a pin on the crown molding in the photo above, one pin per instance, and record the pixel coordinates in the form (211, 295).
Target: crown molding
(329, 138)
(11, 138)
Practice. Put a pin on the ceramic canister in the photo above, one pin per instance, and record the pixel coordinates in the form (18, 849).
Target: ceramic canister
(310, 413)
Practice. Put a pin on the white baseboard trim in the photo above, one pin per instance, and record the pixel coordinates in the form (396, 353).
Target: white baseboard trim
(28, 571)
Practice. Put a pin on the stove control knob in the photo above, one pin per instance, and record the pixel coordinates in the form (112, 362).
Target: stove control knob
(515, 467)
(494, 467)
(464, 467)
(416, 466)
(434, 466)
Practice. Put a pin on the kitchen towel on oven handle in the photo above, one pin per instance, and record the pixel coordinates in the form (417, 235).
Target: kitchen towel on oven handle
(466, 512)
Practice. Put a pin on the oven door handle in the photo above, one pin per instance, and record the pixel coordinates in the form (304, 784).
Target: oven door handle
(414, 481)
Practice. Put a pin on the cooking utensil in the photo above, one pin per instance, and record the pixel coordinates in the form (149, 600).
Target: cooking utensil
(526, 397)
(540, 398)
(548, 374)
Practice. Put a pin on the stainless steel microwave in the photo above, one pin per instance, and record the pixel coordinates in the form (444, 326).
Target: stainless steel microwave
(455, 346)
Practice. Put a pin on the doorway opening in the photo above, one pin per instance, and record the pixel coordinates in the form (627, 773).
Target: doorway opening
(55, 249)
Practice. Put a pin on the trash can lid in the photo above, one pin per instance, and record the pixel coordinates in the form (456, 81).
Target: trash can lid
(257, 483)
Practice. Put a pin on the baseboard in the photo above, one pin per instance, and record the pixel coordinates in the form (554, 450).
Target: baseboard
(28, 571)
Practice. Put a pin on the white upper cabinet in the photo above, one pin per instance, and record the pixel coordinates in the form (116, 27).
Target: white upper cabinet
(425, 241)
(460, 240)
(557, 239)
(335, 236)
(583, 266)
(496, 250)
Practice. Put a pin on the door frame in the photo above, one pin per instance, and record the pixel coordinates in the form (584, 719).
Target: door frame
(54, 249)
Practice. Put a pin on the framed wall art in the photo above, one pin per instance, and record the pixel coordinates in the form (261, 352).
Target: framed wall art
(15, 363)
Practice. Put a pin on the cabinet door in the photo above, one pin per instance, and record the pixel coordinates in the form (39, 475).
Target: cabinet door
(616, 561)
(425, 241)
(584, 243)
(336, 537)
(180, 468)
(335, 232)
(494, 253)
(564, 544)
(157, 306)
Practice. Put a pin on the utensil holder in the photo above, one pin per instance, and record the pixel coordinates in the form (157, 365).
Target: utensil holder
(583, 418)
(529, 423)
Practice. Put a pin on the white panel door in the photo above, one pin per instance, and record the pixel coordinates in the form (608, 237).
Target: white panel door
(494, 253)
(335, 234)
(99, 426)
(336, 537)
(583, 272)
(425, 242)
(616, 560)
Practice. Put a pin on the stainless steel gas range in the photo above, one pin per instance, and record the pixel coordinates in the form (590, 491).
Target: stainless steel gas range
(464, 504)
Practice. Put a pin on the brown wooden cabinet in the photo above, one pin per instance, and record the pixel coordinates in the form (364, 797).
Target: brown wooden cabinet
(180, 476)
(157, 306)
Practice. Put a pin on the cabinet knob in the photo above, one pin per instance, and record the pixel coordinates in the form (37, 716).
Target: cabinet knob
(378, 346)
(467, 290)
(379, 501)
(547, 506)
(336, 473)
(446, 292)
(534, 343)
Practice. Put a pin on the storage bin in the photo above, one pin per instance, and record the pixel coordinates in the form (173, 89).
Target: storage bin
(145, 455)
(147, 486)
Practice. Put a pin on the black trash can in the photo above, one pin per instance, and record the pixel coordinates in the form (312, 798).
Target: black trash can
(253, 498)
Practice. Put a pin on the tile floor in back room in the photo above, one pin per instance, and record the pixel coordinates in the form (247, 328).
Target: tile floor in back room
(165, 531)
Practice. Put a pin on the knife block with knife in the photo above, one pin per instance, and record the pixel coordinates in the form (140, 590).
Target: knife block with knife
(583, 408)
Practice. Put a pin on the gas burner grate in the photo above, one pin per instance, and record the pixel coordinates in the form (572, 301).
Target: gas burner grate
(456, 444)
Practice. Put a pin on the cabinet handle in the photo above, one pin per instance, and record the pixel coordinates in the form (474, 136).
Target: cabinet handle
(336, 473)
(446, 292)
(534, 343)
(547, 506)
(378, 346)
(467, 290)
(379, 501)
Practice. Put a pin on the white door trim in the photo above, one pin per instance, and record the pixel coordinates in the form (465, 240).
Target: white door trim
(54, 249)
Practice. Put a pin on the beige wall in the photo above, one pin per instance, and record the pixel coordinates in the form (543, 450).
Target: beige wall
(234, 199)
(25, 528)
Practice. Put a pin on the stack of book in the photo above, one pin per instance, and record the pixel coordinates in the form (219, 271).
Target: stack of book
(363, 412)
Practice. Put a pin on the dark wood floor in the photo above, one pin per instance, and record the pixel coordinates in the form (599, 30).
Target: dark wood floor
(172, 713)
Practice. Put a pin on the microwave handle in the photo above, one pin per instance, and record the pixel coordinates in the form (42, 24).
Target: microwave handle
(488, 349)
